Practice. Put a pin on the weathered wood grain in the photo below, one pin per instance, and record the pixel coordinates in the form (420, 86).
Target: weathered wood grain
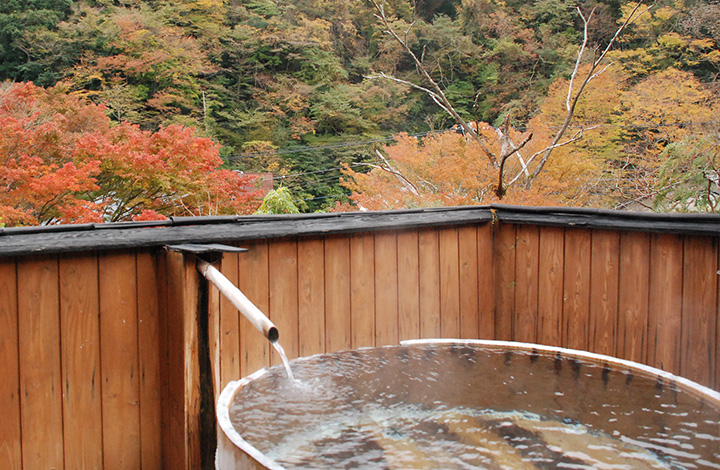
(699, 309)
(311, 296)
(150, 363)
(633, 300)
(337, 293)
(362, 290)
(119, 361)
(604, 287)
(551, 281)
(80, 343)
(449, 283)
(525, 322)
(386, 289)
(408, 285)
(178, 230)
(41, 401)
(486, 282)
(666, 302)
(576, 289)
(429, 265)
(10, 431)
(469, 282)
(505, 280)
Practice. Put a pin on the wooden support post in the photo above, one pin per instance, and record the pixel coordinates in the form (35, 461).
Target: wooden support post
(182, 384)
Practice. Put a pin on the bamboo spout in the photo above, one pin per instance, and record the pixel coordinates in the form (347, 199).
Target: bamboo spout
(238, 299)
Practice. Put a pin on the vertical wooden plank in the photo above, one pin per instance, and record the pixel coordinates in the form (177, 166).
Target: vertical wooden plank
(10, 438)
(604, 278)
(119, 361)
(551, 280)
(408, 286)
(311, 295)
(253, 282)
(362, 289)
(429, 252)
(149, 357)
(486, 282)
(527, 262)
(634, 296)
(338, 332)
(172, 269)
(80, 343)
(717, 323)
(284, 296)
(190, 352)
(229, 323)
(505, 278)
(163, 345)
(386, 289)
(469, 282)
(40, 376)
(700, 287)
(449, 283)
(214, 335)
(666, 299)
(576, 303)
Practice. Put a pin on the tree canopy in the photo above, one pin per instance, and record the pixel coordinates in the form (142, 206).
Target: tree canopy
(63, 160)
(284, 87)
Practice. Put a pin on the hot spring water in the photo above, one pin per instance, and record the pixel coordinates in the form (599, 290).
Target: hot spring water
(471, 405)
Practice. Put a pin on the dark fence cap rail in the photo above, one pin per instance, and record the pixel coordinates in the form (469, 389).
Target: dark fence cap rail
(19, 241)
(690, 224)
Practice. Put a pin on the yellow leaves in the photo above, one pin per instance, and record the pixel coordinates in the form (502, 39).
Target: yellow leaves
(671, 40)
(665, 13)
(671, 96)
(209, 4)
(713, 57)
(684, 44)
(649, 23)
(315, 31)
(637, 62)
(703, 43)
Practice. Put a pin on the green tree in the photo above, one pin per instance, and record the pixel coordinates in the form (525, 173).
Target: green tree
(19, 18)
(689, 176)
(278, 201)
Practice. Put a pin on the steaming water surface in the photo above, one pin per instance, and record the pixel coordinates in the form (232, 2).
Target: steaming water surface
(462, 407)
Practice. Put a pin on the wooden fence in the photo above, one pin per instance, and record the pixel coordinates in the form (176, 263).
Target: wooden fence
(112, 358)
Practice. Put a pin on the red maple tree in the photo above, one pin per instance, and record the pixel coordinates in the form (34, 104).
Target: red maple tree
(63, 161)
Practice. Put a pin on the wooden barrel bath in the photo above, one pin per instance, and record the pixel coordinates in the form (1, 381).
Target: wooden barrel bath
(467, 404)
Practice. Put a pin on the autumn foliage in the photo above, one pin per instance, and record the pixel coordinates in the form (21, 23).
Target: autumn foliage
(63, 161)
(641, 140)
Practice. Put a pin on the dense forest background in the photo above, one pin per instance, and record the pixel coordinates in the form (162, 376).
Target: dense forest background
(282, 87)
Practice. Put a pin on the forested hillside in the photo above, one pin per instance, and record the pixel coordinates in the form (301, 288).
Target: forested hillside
(318, 93)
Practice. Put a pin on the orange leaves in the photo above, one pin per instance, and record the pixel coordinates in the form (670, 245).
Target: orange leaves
(445, 169)
(56, 167)
(441, 170)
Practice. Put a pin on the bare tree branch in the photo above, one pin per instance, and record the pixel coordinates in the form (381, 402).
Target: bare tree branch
(577, 136)
(389, 169)
(508, 149)
(438, 95)
(573, 97)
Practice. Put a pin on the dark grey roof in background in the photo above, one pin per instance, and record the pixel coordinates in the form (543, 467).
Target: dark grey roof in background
(224, 229)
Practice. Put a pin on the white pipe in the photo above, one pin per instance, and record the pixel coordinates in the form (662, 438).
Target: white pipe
(238, 299)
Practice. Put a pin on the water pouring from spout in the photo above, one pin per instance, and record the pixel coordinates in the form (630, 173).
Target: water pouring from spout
(246, 307)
